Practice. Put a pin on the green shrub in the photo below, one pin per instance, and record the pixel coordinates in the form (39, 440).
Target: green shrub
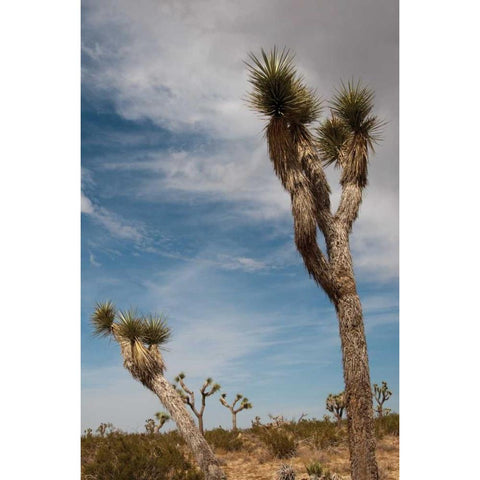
(280, 442)
(120, 456)
(314, 468)
(318, 433)
(224, 439)
(387, 425)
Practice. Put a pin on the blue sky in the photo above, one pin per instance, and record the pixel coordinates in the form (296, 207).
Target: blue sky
(182, 214)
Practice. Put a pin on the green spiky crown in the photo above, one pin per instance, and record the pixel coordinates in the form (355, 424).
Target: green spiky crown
(278, 91)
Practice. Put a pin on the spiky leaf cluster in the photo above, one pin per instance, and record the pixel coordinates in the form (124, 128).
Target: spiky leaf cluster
(162, 416)
(335, 403)
(278, 91)
(285, 472)
(332, 135)
(353, 105)
(139, 338)
(346, 138)
(103, 318)
(245, 404)
(129, 326)
(155, 330)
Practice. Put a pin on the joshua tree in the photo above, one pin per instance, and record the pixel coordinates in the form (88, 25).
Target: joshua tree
(345, 140)
(336, 405)
(244, 405)
(381, 394)
(103, 427)
(188, 396)
(150, 426)
(140, 340)
(162, 418)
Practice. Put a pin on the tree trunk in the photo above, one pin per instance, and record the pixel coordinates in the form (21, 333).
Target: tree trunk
(339, 419)
(200, 424)
(197, 443)
(234, 421)
(361, 429)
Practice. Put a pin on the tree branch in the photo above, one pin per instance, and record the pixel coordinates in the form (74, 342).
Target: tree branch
(284, 155)
(349, 206)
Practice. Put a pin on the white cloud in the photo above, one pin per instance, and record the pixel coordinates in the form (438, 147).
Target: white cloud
(93, 261)
(197, 82)
(113, 223)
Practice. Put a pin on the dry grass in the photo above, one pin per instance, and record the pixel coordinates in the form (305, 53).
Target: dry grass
(256, 463)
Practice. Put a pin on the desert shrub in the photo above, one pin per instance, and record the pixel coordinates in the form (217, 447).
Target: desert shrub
(314, 469)
(281, 443)
(387, 425)
(319, 433)
(120, 456)
(286, 472)
(224, 439)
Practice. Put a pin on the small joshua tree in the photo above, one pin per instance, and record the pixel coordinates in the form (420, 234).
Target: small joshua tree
(140, 339)
(162, 418)
(103, 427)
(336, 405)
(188, 396)
(381, 394)
(150, 426)
(244, 405)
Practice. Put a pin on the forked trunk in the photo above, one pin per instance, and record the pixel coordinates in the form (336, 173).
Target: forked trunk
(187, 428)
(361, 429)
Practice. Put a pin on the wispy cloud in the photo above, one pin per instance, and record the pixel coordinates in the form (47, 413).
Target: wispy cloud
(93, 261)
(113, 223)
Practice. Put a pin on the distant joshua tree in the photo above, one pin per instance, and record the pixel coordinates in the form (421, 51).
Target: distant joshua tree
(344, 139)
(336, 404)
(381, 394)
(162, 418)
(244, 405)
(103, 427)
(140, 339)
(151, 427)
(188, 396)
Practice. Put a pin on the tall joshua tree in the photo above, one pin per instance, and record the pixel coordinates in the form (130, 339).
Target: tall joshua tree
(381, 394)
(140, 340)
(336, 405)
(188, 396)
(243, 405)
(344, 139)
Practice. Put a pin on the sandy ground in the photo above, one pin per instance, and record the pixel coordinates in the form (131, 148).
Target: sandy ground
(258, 464)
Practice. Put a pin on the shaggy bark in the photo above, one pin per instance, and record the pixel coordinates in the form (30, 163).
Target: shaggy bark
(358, 394)
(187, 428)
(151, 375)
(299, 169)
